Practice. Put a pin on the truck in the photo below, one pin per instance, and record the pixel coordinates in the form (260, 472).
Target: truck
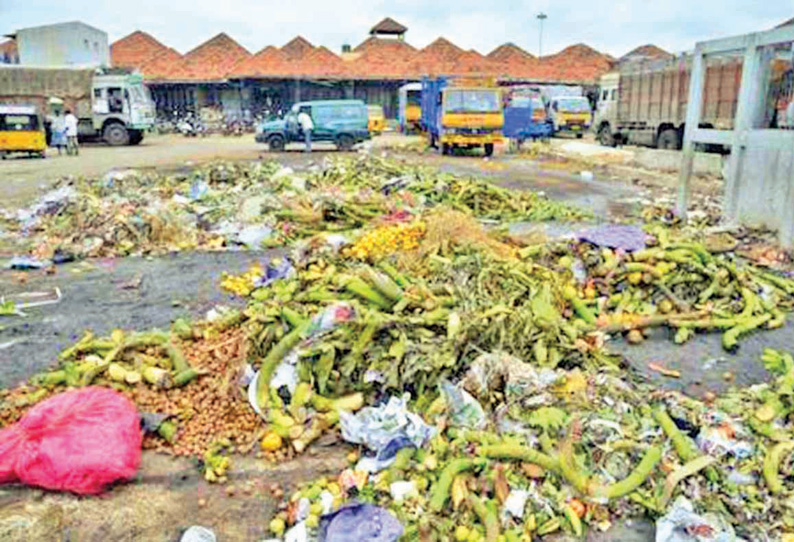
(525, 115)
(410, 112)
(462, 113)
(645, 103)
(110, 104)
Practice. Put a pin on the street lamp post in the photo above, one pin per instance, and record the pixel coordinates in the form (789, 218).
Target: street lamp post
(541, 17)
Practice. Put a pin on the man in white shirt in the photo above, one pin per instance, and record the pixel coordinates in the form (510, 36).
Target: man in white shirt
(307, 125)
(70, 123)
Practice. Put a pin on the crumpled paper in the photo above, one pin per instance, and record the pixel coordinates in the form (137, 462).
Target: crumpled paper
(385, 429)
(463, 409)
(682, 524)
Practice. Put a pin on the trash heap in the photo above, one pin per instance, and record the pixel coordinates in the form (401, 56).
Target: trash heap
(227, 206)
(471, 371)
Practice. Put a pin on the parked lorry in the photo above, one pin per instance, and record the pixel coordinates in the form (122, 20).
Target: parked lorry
(462, 113)
(645, 104)
(525, 116)
(410, 113)
(111, 105)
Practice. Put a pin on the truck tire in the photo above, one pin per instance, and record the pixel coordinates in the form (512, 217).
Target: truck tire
(116, 135)
(605, 137)
(276, 143)
(446, 149)
(668, 140)
(345, 142)
(136, 136)
(488, 148)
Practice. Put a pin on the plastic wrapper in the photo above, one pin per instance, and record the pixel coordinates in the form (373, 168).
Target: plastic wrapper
(682, 524)
(360, 523)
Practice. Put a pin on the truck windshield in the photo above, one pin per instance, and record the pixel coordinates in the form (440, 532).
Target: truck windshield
(18, 123)
(471, 101)
(574, 105)
(139, 94)
(414, 98)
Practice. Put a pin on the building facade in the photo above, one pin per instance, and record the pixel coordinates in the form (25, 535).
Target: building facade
(73, 44)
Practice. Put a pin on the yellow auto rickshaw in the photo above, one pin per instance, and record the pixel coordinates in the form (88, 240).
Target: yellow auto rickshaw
(21, 130)
(377, 120)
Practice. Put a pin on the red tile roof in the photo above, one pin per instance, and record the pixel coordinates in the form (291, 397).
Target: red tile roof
(649, 51)
(213, 59)
(270, 61)
(509, 52)
(388, 26)
(168, 65)
(8, 48)
(381, 58)
(133, 50)
(297, 48)
(222, 58)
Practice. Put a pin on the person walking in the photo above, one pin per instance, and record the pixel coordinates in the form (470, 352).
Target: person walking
(307, 125)
(58, 128)
(70, 122)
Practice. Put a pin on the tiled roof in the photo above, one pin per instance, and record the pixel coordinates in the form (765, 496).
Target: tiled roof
(388, 26)
(578, 62)
(214, 58)
(646, 51)
(297, 48)
(165, 66)
(509, 52)
(133, 50)
(221, 58)
(790, 22)
(8, 48)
(376, 57)
(270, 61)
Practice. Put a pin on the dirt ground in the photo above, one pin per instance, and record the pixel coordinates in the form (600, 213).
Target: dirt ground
(165, 499)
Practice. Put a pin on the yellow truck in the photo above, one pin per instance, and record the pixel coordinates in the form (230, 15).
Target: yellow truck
(462, 113)
(571, 114)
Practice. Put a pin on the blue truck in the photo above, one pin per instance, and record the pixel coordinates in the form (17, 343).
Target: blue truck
(462, 113)
(526, 118)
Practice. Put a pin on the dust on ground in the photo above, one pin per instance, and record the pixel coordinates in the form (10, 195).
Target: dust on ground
(168, 496)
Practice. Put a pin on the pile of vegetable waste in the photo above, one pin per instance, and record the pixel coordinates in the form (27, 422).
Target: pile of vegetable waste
(226, 206)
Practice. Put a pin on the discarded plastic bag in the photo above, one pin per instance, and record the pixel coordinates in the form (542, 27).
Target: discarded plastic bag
(360, 523)
(682, 524)
(385, 429)
(464, 410)
(619, 236)
(80, 441)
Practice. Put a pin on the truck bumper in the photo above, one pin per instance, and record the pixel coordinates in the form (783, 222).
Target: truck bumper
(467, 140)
(574, 128)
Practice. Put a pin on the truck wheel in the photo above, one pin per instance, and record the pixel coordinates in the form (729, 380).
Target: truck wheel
(606, 138)
(446, 149)
(116, 135)
(276, 143)
(345, 142)
(579, 136)
(668, 140)
(489, 149)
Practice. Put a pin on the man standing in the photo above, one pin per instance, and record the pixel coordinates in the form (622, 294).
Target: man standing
(70, 123)
(305, 120)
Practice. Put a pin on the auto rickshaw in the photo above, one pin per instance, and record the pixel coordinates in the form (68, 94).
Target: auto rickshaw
(377, 120)
(21, 130)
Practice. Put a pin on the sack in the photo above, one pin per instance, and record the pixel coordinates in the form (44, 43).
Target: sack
(80, 440)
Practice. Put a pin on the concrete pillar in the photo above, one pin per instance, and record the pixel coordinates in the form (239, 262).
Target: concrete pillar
(697, 81)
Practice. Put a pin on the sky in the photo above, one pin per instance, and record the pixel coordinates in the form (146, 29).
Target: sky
(613, 27)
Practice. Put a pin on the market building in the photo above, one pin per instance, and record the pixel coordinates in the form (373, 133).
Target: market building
(221, 73)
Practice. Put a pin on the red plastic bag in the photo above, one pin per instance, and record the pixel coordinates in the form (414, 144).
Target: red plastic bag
(80, 441)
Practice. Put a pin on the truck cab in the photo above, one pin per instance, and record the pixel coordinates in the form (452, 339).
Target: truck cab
(122, 109)
(462, 114)
(571, 114)
(605, 119)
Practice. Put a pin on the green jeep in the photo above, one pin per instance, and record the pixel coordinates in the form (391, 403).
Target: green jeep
(344, 122)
